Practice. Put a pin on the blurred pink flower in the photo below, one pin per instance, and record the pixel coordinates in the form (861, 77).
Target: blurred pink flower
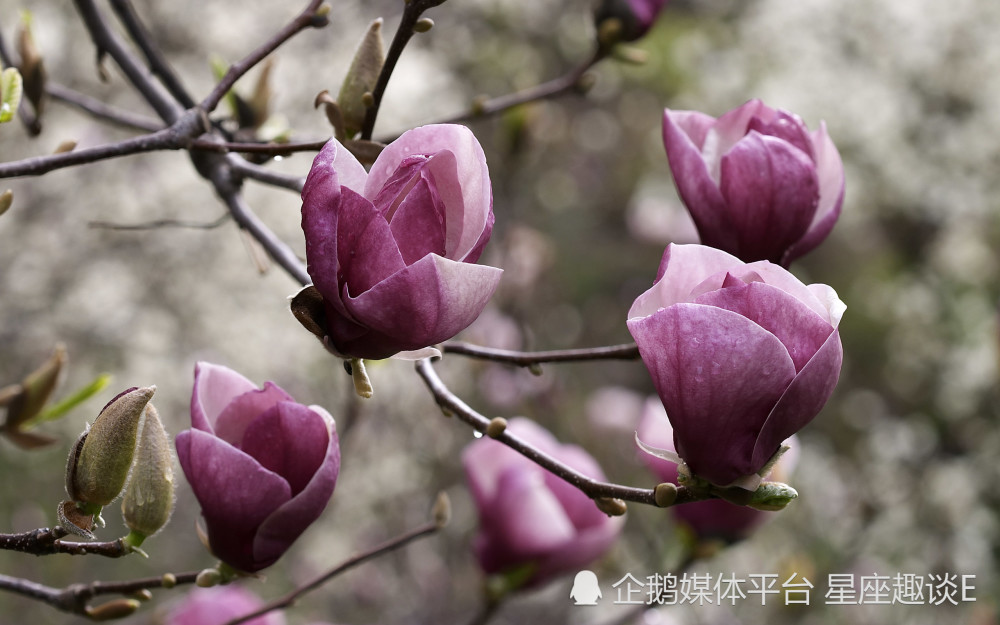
(393, 251)
(530, 517)
(742, 356)
(262, 466)
(218, 605)
(758, 184)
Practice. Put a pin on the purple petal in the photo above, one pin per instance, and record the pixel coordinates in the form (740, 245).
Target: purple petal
(580, 508)
(588, 545)
(220, 604)
(428, 302)
(730, 129)
(787, 127)
(288, 522)
(799, 328)
(236, 495)
(817, 299)
(802, 400)
(243, 409)
(290, 440)
(528, 515)
(214, 387)
(718, 375)
(418, 224)
(462, 183)
(682, 268)
(771, 192)
(697, 187)
(366, 247)
(830, 171)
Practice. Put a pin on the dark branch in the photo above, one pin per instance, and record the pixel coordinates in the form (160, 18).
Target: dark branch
(247, 169)
(412, 11)
(99, 109)
(389, 545)
(591, 487)
(275, 149)
(308, 18)
(157, 62)
(46, 541)
(107, 42)
(526, 359)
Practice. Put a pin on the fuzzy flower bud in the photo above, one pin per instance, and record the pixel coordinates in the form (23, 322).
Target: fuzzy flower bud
(149, 496)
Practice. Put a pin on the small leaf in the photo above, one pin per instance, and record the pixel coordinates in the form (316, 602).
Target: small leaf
(58, 410)
(11, 89)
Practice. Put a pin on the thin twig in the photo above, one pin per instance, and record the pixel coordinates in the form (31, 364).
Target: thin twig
(162, 223)
(46, 541)
(275, 149)
(265, 175)
(74, 598)
(107, 42)
(389, 545)
(591, 487)
(549, 89)
(526, 359)
(412, 11)
(157, 62)
(101, 110)
(308, 18)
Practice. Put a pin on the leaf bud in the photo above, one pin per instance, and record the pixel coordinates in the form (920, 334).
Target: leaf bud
(114, 609)
(611, 506)
(32, 68)
(149, 495)
(100, 461)
(7, 197)
(361, 79)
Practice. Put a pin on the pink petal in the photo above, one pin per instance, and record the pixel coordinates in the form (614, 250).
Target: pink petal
(771, 193)
(718, 374)
(236, 495)
(365, 246)
(418, 225)
(290, 440)
(428, 302)
(244, 409)
(787, 127)
(781, 278)
(528, 514)
(682, 268)
(830, 171)
(697, 187)
(214, 387)
(802, 400)
(729, 129)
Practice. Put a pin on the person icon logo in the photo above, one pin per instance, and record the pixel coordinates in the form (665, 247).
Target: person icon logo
(586, 590)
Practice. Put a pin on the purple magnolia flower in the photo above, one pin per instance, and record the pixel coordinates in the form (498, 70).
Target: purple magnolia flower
(530, 517)
(218, 605)
(758, 184)
(636, 16)
(712, 518)
(742, 356)
(262, 466)
(393, 251)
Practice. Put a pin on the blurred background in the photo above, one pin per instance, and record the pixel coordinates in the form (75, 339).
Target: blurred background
(898, 474)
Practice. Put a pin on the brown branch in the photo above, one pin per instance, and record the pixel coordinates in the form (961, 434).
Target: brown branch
(47, 541)
(310, 17)
(101, 110)
(412, 11)
(389, 545)
(592, 488)
(107, 42)
(157, 62)
(527, 359)
(274, 149)
(247, 169)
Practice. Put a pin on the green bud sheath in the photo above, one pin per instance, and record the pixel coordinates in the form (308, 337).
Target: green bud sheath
(100, 463)
(361, 79)
(149, 496)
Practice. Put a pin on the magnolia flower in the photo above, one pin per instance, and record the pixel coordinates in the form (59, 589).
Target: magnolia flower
(528, 516)
(712, 518)
(392, 252)
(219, 605)
(758, 184)
(262, 466)
(742, 356)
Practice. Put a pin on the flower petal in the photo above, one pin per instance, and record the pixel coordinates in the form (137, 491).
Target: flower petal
(729, 129)
(290, 440)
(214, 387)
(830, 171)
(682, 268)
(235, 492)
(418, 224)
(771, 193)
(365, 246)
(243, 409)
(718, 375)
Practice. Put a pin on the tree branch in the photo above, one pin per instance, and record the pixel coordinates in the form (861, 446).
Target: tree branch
(74, 598)
(389, 545)
(157, 62)
(101, 110)
(592, 488)
(107, 42)
(247, 169)
(275, 149)
(527, 359)
(412, 11)
(46, 541)
(310, 17)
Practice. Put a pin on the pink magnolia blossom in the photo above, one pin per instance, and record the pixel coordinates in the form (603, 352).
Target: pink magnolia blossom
(530, 517)
(262, 466)
(712, 518)
(393, 251)
(757, 183)
(219, 605)
(741, 355)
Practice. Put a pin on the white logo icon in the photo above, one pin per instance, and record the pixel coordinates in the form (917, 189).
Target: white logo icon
(586, 590)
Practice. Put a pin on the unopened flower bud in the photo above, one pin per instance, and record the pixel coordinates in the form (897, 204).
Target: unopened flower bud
(361, 79)
(773, 496)
(7, 197)
(114, 609)
(442, 510)
(100, 462)
(149, 496)
(611, 506)
(32, 68)
(208, 578)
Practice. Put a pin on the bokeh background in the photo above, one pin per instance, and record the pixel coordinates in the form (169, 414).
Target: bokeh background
(898, 474)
